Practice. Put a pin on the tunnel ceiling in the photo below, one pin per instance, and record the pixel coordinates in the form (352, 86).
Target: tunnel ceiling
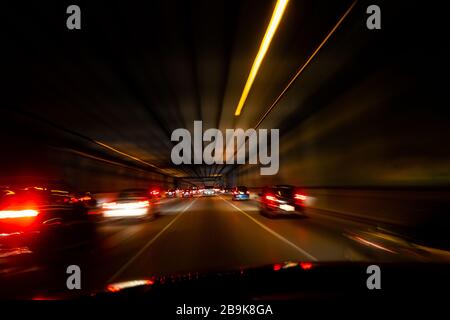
(137, 71)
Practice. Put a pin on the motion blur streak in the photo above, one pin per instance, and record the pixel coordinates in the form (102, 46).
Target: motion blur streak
(125, 154)
(126, 209)
(273, 24)
(370, 243)
(8, 214)
(303, 67)
(115, 287)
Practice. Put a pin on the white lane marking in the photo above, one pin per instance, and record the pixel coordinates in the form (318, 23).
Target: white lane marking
(277, 235)
(148, 244)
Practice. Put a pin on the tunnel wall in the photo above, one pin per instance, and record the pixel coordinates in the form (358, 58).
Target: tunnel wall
(394, 206)
(80, 172)
(45, 151)
(422, 212)
(99, 176)
(381, 207)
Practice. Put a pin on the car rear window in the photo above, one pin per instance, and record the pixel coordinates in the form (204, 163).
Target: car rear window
(284, 192)
(243, 189)
(133, 194)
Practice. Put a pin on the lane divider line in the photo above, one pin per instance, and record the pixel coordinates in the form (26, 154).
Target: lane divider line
(148, 244)
(275, 234)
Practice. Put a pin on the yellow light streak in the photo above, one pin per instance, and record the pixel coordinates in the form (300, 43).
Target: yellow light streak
(273, 25)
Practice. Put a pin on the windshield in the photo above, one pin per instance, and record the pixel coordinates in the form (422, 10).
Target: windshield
(191, 137)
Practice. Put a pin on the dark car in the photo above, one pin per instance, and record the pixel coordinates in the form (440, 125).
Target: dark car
(241, 193)
(132, 203)
(281, 200)
(43, 218)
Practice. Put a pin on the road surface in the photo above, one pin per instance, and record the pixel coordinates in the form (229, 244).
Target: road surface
(190, 235)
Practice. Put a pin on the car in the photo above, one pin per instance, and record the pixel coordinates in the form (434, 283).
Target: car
(171, 193)
(43, 218)
(240, 193)
(132, 203)
(227, 190)
(186, 193)
(194, 190)
(281, 200)
(155, 192)
(208, 191)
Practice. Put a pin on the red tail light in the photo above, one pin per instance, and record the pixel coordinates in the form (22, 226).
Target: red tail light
(270, 197)
(306, 265)
(71, 200)
(26, 213)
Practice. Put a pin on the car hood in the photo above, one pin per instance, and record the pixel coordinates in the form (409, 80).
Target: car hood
(289, 280)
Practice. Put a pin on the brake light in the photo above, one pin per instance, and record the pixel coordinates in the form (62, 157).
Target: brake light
(306, 265)
(71, 200)
(270, 197)
(299, 196)
(247, 192)
(27, 213)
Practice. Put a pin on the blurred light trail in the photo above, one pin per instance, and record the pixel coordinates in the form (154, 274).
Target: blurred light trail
(273, 24)
(369, 243)
(113, 209)
(303, 67)
(10, 214)
(84, 137)
(104, 145)
(115, 287)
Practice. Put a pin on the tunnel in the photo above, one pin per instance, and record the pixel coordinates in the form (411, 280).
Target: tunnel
(359, 115)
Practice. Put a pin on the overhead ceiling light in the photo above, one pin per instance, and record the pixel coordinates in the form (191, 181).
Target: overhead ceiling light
(273, 24)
